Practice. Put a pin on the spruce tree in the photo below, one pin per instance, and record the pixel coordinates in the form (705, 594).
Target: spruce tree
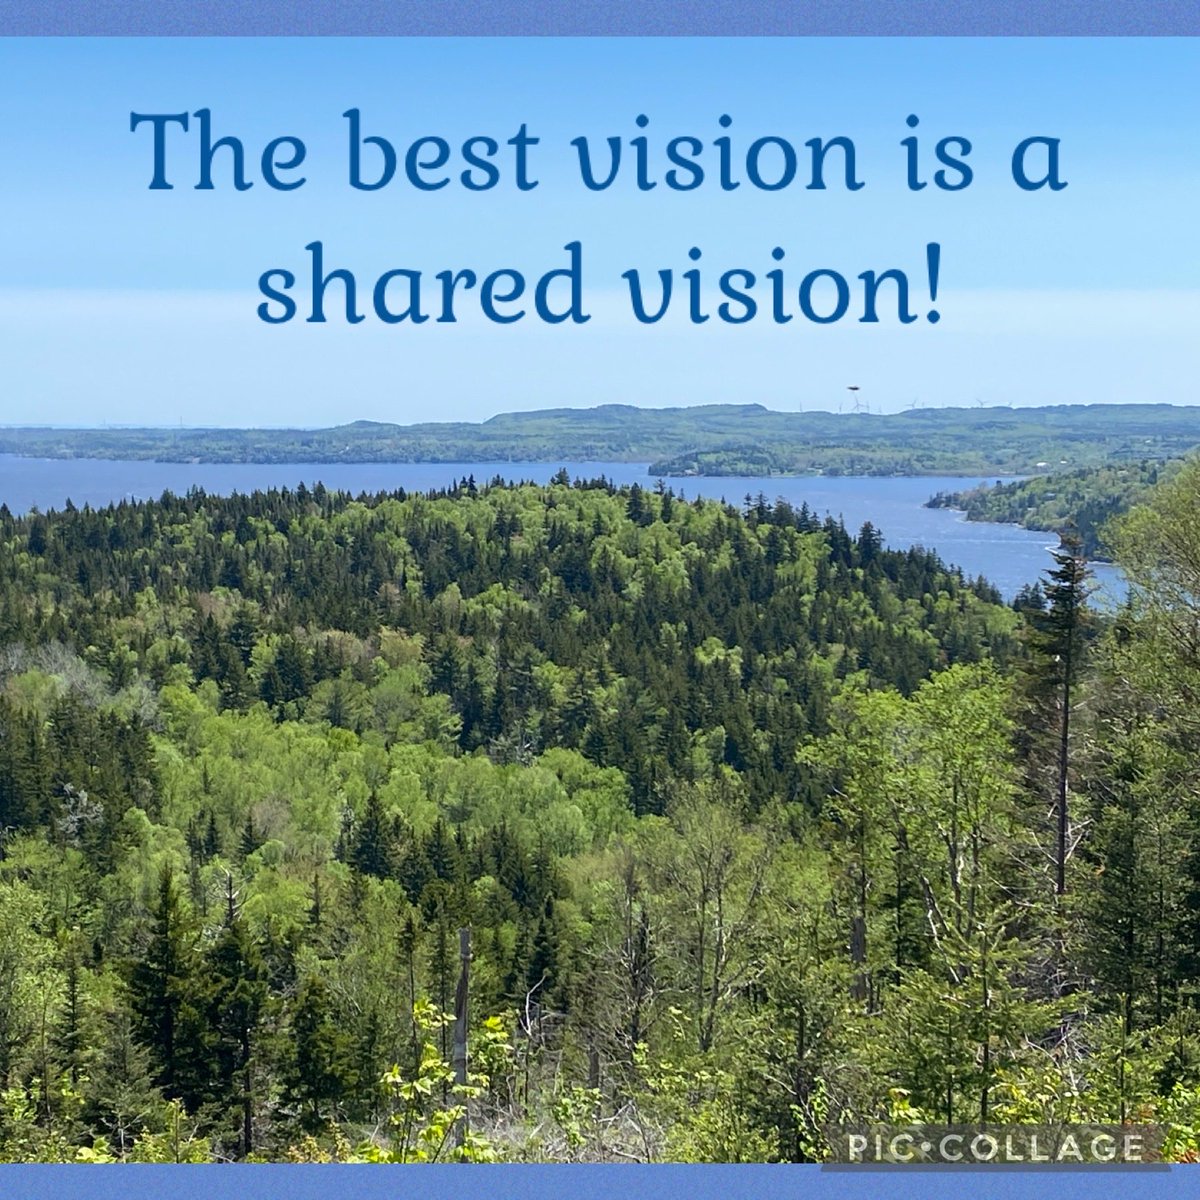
(1059, 641)
(239, 994)
(120, 1099)
(169, 997)
(322, 1072)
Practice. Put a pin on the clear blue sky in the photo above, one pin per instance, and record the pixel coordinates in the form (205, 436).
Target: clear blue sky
(120, 304)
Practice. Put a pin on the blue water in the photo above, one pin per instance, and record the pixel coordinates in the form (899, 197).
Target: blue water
(1005, 554)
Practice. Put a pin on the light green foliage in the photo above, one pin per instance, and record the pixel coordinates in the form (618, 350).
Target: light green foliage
(430, 1121)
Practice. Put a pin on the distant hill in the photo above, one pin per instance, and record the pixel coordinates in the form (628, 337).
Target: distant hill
(720, 439)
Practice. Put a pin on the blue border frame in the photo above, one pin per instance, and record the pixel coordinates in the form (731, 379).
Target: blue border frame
(624, 18)
(591, 1182)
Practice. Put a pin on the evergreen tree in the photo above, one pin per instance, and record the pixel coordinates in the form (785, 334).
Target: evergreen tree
(238, 997)
(170, 998)
(120, 1098)
(374, 851)
(322, 1071)
(1058, 644)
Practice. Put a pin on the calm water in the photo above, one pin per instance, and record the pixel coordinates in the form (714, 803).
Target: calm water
(1010, 557)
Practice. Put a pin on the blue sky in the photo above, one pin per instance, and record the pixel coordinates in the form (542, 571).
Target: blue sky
(123, 305)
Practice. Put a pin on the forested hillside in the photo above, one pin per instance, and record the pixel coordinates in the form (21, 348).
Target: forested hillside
(757, 827)
(1082, 501)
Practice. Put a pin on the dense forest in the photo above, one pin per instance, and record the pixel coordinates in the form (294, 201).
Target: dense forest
(715, 439)
(757, 827)
(1083, 502)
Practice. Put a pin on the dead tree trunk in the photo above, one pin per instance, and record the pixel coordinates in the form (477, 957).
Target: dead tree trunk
(461, 1016)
